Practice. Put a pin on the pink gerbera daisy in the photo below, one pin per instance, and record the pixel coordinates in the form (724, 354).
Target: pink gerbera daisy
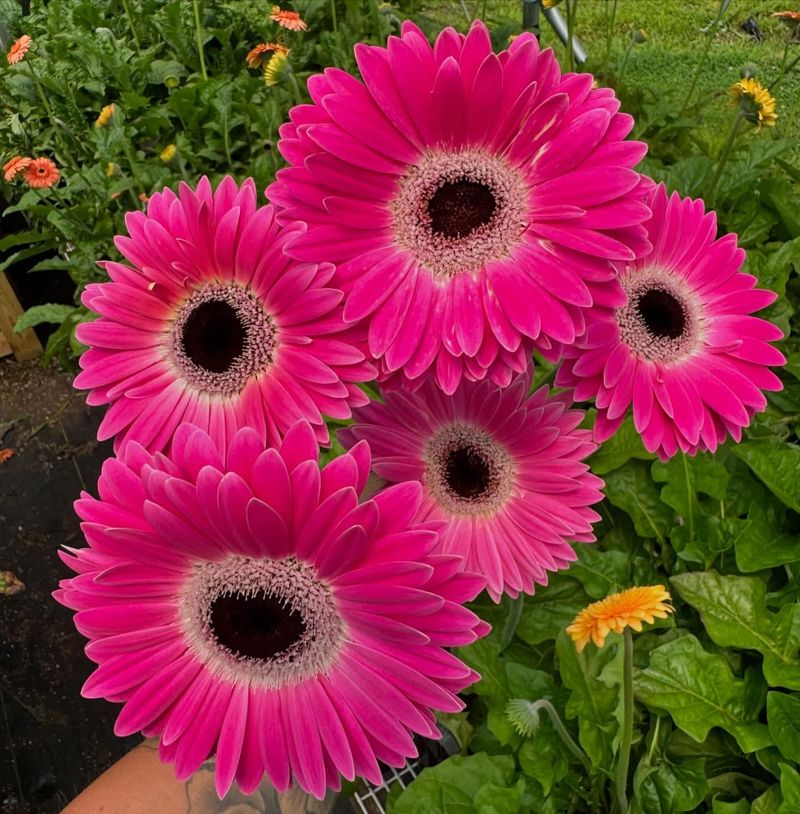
(503, 468)
(242, 603)
(683, 349)
(217, 325)
(472, 201)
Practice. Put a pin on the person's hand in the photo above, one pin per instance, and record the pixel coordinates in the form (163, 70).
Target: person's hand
(140, 783)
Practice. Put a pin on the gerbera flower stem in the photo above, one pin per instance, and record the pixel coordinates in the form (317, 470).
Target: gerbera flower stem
(572, 13)
(334, 20)
(50, 115)
(627, 721)
(298, 91)
(783, 72)
(704, 56)
(524, 715)
(132, 27)
(609, 34)
(724, 155)
(198, 33)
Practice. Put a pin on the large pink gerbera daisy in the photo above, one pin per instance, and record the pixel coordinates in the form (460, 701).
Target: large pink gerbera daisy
(683, 349)
(242, 603)
(502, 468)
(473, 201)
(217, 325)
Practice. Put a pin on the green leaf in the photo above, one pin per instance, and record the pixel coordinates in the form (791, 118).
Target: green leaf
(724, 807)
(699, 690)
(551, 609)
(600, 572)
(778, 466)
(595, 679)
(624, 444)
(734, 613)
(760, 540)
(51, 312)
(542, 758)
(790, 790)
(769, 802)
(783, 720)
(454, 785)
(631, 489)
(669, 786)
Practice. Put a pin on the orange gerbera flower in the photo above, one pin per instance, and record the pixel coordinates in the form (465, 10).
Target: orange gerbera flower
(792, 16)
(42, 173)
(287, 19)
(261, 53)
(12, 168)
(18, 49)
(616, 612)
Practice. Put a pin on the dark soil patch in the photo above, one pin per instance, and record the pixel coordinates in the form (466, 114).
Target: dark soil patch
(53, 742)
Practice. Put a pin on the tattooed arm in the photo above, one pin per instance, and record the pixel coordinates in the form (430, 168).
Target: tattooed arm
(141, 784)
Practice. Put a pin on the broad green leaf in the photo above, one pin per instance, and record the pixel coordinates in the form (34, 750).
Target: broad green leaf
(631, 489)
(551, 609)
(734, 613)
(777, 465)
(624, 444)
(724, 807)
(600, 572)
(595, 679)
(51, 312)
(769, 802)
(542, 758)
(667, 786)
(698, 536)
(454, 785)
(494, 799)
(760, 540)
(790, 790)
(699, 690)
(783, 720)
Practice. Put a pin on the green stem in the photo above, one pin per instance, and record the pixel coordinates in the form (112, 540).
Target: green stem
(50, 115)
(724, 155)
(783, 73)
(625, 60)
(654, 741)
(609, 35)
(627, 722)
(514, 615)
(572, 13)
(298, 92)
(132, 164)
(132, 27)
(543, 703)
(333, 17)
(198, 33)
(706, 47)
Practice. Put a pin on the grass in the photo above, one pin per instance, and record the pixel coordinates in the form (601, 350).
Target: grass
(666, 62)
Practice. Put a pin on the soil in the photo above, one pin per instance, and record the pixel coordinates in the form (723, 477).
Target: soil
(52, 741)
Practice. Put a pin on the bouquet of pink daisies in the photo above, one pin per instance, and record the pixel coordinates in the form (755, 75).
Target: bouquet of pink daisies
(440, 219)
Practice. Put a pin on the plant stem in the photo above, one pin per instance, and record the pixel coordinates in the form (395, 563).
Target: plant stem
(627, 722)
(198, 33)
(572, 13)
(609, 35)
(132, 164)
(625, 60)
(50, 115)
(543, 703)
(706, 47)
(132, 27)
(514, 615)
(334, 20)
(654, 741)
(298, 92)
(724, 155)
(783, 73)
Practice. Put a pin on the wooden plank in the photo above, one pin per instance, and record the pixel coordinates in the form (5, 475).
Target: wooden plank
(25, 345)
(5, 348)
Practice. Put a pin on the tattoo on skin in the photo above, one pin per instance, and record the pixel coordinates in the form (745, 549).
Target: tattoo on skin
(201, 796)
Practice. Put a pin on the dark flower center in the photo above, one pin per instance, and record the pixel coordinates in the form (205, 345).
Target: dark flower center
(213, 335)
(257, 627)
(467, 473)
(458, 208)
(663, 314)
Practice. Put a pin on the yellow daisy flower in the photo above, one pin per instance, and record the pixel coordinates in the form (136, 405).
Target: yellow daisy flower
(616, 612)
(168, 153)
(105, 116)
(755, 102)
